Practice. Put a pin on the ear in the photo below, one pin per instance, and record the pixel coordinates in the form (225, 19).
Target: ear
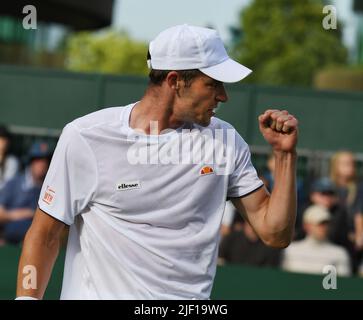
(172, 79)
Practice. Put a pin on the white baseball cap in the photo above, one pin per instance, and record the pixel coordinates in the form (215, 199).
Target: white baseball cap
(316, 214)
(185, 47)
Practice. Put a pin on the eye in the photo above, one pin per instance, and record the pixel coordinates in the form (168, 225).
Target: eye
(218, 84)
(213, 84)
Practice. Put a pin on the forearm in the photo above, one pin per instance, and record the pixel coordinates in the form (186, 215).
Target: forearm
(36, 263)
(281, 210)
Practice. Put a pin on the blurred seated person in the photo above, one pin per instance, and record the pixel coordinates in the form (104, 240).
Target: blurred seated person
(324, 193)
(343, 173)
(9, 165)
(19, 198)
(313, 253)
(242, 246)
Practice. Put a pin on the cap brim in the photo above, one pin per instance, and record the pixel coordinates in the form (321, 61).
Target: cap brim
(227, 71)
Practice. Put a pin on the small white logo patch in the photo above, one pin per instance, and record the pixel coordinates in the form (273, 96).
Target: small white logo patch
(49, 196)
(129, 185)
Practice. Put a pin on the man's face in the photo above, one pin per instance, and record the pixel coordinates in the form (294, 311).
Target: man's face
(39, 168)
(317, 231)
(346, 165)
(196, 102)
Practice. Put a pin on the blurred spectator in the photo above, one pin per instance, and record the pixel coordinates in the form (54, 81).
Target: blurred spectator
(19, 197)
(324, 193)
(343, 174)
(242, 246)
(313, 253)
(9, 165)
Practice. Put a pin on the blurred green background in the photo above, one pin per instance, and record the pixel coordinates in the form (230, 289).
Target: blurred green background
(232, 282)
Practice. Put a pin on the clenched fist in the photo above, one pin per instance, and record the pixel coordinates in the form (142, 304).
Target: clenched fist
(280, 129)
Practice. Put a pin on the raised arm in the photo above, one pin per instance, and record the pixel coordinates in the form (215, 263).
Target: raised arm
(40, 250)
(273, 216)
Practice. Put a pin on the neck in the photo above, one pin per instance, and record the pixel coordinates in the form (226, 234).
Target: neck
(316, 240)
(154, 113)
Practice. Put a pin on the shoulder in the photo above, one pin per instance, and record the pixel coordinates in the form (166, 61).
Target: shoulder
(98, 118)
(227, 131)
(95, 124)
(337, 251)
(12, 160)
(217, 123)
(11, 166)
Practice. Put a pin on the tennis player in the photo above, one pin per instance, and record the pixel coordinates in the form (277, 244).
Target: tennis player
(143, 187)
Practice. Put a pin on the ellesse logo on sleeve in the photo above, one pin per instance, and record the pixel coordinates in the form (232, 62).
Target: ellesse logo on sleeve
(49, 196)
(128, 185)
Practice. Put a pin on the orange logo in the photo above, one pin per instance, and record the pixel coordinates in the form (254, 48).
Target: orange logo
(206, 170)
(49, 195)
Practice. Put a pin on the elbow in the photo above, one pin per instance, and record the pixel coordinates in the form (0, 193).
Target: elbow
(278, 244)
(279, 238)
(277, 241)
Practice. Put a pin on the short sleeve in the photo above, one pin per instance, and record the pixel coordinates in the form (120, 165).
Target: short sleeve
(71, 180)
(244, 178)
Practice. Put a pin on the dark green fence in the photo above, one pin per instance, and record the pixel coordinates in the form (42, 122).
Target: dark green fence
(38, 103)
(232, 282)
(242, 282)
(49, 99)
(9, 257)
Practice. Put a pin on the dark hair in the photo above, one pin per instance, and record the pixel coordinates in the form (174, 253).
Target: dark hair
(156, 77)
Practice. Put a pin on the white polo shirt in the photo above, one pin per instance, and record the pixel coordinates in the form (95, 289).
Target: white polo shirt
(144, 217)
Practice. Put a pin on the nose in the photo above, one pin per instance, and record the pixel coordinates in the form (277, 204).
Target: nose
(221, 94)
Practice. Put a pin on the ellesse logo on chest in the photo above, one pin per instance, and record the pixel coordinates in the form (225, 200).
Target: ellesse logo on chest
(128, 185)
(206, 170)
